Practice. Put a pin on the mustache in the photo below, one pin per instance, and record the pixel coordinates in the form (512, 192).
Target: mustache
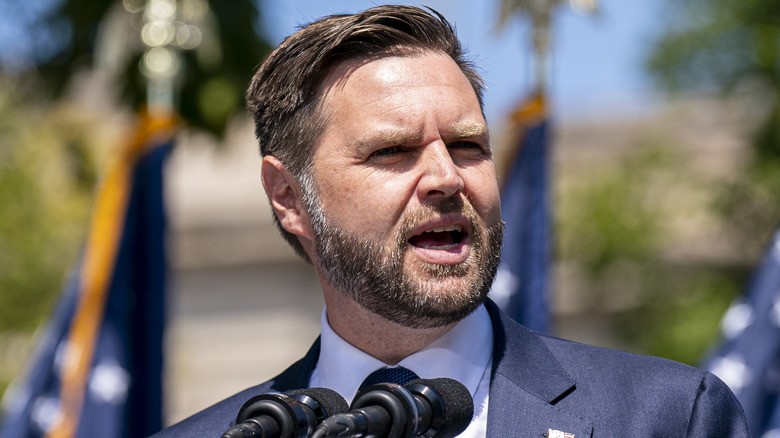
(427, 212)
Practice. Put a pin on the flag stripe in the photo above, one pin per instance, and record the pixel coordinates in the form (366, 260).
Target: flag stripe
(521, 285)
(99, 261)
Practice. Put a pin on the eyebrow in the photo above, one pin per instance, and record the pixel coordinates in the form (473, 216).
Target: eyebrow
(401, 136)
(467, 130)
(388, 136)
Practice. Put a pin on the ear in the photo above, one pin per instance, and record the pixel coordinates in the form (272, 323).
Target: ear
(286, 197)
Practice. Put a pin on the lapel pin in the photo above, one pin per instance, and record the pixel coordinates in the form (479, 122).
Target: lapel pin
(552, 433)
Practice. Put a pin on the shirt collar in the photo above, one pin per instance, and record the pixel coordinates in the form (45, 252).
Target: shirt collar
(463, 354)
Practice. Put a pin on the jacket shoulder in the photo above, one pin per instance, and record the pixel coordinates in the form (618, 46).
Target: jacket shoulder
(589, 360)
(626, 389)
(216, 419)
(618, 393)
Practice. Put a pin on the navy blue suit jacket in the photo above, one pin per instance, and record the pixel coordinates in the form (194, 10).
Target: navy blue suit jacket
(541, 383)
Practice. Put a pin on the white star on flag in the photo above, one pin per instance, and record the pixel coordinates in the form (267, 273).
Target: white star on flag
(738, 317)
(775, 312)
(505, 283)
(109, 382)
(774, 433)
(733, 371)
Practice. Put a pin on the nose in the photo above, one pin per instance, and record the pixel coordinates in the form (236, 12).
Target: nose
(440, 176)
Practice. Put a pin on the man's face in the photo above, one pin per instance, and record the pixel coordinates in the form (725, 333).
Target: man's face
(408, 220)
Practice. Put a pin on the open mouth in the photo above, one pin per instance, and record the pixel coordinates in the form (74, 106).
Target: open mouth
(439, 238)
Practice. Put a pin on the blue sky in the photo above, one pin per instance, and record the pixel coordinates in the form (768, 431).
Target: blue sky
(596, 63)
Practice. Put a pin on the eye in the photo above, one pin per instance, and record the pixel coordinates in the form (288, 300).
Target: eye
(464, 144)
(468, 149)
(386, 152)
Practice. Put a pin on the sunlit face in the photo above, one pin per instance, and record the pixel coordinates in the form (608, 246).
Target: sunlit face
(408, 216)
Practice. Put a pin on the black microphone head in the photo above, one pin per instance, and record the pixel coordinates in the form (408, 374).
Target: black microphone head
(449, 396)
(327, 402)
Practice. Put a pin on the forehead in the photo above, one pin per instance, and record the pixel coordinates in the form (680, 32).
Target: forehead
(417, 94)
(392, 71)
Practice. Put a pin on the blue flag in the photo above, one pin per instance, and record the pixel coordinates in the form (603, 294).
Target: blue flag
(522, 282)
(97, 371)
(748, 360)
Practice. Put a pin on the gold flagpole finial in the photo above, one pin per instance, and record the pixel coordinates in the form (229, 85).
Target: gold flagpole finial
(540, 13)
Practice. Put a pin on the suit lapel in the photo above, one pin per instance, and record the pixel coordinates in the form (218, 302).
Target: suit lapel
(298, 374)
(526, 384)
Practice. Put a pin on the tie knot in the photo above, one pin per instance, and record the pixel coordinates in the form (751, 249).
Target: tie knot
(399, 375)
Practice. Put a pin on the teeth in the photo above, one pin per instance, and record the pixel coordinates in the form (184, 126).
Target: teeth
(447, 228)
(441, 248)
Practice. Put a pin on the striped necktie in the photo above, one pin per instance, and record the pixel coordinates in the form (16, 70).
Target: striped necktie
(399, 375)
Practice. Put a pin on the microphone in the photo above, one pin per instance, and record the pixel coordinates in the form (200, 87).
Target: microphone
(446, 406)
(292, 415)
(434, 408)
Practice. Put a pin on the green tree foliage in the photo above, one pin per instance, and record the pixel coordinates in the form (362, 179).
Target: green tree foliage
(49, 150)
(47, 172)
(616, 226)
(52, 146)
(213, 81)
(732, 48)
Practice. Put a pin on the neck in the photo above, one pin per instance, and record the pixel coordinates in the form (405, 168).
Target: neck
(374, 335)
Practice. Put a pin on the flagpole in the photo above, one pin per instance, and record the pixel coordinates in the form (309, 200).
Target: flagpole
(161, 65)
(161, 62)
(541, 20)
(522, 283)
(540, 14)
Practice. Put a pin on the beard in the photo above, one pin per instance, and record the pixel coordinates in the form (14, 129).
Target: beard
(374, 276)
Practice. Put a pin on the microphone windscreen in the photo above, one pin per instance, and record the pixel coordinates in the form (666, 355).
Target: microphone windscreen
(458, 404)
(329, 401)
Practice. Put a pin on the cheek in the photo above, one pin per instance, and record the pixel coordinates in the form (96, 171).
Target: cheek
(363, 204)
(488, 205)
(484, 194)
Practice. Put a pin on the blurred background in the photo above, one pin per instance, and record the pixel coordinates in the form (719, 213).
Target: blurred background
(663, 149)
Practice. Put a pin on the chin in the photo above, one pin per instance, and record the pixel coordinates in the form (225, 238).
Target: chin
(435, 303)
(432, 316)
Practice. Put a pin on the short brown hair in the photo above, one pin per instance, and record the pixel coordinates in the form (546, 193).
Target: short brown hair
(284, 95)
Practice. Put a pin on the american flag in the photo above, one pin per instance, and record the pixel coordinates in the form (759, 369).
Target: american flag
(98, 368)
(748, 359)
(522, 282)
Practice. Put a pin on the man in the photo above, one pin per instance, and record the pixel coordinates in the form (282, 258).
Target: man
(378, 166)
